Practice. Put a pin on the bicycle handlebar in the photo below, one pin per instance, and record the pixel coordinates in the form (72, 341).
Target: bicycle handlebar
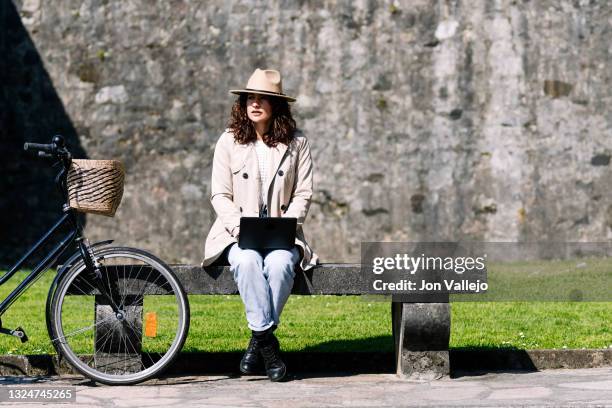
(55, 149)
(46, 148)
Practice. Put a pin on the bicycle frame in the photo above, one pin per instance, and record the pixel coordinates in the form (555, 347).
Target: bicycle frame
(52, 256)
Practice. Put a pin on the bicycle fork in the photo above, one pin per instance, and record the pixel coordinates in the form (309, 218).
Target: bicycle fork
(94, 270)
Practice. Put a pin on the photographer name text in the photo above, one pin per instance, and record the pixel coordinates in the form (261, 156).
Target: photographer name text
(447, 285)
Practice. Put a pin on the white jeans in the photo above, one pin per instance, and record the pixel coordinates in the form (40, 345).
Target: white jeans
(264, 281)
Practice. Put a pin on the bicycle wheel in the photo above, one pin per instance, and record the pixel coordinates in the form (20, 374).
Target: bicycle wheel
(128, 335)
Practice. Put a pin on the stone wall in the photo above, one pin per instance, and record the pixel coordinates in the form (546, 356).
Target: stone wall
(480, 120)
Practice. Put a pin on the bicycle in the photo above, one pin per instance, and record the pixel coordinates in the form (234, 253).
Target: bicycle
(99, 296)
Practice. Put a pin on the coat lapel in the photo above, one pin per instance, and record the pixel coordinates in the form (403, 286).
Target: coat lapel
(277, 154)
(249, 156)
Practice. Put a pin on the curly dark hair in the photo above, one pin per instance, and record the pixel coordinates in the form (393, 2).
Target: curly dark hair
(282, 126)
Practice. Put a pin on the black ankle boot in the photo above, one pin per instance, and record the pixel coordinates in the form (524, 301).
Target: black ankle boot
(270, 351)
(251, 362)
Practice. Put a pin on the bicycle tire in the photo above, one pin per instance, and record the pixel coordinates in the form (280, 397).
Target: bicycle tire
(132, 305)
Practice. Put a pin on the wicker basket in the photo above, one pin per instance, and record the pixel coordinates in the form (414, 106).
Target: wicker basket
(95, 186)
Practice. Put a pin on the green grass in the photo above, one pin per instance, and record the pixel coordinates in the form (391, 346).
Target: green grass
(347, 323)
(531, 325)
(587, 279)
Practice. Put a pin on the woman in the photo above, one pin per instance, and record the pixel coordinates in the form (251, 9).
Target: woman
(261, 166)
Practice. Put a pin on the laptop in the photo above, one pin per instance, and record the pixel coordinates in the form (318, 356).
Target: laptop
(267, 233)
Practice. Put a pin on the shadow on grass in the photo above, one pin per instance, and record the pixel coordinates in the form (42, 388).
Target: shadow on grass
(367, 355)
(375, 344)
(329, 359)
(360, 356)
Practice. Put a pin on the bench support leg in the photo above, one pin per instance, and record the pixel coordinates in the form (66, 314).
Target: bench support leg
(421, 332)
(118, 343)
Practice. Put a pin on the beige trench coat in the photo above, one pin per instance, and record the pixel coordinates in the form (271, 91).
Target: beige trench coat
(235, 191)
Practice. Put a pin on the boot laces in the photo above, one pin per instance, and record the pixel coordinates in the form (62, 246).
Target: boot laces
(253, 344)
(270, 354)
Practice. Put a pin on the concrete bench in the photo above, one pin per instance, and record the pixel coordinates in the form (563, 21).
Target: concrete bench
(421, 328)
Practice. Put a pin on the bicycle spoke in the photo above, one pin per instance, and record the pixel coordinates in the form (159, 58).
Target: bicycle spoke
(108, 336)
(127, 338)
(84, 292)
(124, 293)
(83, 329)
(146, 280)
(141, 294)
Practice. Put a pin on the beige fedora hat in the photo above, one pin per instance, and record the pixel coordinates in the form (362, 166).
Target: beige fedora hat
(265, 82)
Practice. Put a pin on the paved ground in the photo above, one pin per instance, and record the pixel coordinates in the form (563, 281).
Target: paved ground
(583, 387)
